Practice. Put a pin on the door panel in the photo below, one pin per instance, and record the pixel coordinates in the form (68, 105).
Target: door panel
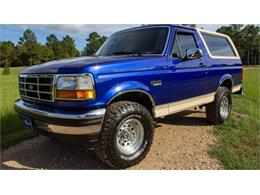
(188, 77)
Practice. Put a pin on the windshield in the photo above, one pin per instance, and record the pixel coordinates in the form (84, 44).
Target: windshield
(137, 41)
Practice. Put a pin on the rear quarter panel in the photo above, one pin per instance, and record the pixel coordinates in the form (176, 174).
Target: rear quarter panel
(221, 69)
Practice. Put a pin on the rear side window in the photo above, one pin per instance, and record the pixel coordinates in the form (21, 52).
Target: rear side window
(218, 46)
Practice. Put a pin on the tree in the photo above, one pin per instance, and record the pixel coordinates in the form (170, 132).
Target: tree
(190, 25)
(94, 42)
(29, 49)
(54, 45)
(234, 31)
(246, 40)
(28, 38)
(52, 40)
(69, 47)
(251, 43)
(62, 49)
(7, 55)
(21, 59)
(47, 53)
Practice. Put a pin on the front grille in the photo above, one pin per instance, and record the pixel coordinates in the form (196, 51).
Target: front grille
(39, 87)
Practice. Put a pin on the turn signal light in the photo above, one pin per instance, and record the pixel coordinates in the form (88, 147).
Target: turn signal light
(77, 94)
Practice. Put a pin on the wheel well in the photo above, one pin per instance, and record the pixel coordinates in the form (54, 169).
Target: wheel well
(138, 97)
(227, 83)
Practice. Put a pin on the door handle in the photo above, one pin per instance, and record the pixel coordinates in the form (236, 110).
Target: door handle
(202, 65)
(161, 67)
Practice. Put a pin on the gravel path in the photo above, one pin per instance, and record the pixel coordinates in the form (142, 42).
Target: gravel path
(180, 142)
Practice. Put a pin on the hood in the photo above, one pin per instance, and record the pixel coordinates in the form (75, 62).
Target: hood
(81, 64)
(73, 65)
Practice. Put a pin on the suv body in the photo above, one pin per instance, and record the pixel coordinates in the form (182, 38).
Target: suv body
(113, 97)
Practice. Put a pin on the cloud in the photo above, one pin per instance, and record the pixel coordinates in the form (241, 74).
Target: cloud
(83, 30)
(78, 29)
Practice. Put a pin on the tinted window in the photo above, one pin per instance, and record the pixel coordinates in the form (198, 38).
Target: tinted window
(182, 42)
(218, 46)
(176, 50)
(139, 41)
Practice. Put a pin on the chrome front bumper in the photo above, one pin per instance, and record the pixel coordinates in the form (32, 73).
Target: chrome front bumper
(62, 123)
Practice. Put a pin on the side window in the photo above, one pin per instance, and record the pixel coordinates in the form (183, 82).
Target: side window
(176, 50)
(218, 46)
(182, 42)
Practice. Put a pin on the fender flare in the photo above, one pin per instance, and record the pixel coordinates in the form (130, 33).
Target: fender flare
(225, 77)
(128, 87)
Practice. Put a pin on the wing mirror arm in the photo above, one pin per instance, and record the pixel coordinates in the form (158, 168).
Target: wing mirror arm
(193, 53)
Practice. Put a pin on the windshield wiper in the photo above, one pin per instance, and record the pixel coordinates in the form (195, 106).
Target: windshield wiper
(123, 53)
(131, 53)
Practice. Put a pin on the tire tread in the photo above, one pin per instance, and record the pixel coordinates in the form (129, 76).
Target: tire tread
(114, 111)
(212, 109)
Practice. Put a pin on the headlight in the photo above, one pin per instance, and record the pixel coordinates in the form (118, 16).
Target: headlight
(75, 87)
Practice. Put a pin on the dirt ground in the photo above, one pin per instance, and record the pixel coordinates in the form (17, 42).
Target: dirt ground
(180, 142)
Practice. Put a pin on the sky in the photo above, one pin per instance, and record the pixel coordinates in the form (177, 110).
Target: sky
(79, 32)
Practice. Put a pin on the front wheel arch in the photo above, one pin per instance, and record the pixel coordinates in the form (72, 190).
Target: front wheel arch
(137, 96)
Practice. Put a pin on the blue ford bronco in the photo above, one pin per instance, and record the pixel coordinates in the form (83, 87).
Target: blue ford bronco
(138, 75)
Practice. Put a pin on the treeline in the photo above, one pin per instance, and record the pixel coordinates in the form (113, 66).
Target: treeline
(247, 41)
(29, 51)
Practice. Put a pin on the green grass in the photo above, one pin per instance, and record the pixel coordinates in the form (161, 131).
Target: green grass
(239, 136)
(11, 128)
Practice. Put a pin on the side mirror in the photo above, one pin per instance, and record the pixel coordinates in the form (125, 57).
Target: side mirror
(194, 53)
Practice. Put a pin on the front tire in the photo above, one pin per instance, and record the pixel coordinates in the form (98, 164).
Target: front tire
(219, 110)
(126, 135)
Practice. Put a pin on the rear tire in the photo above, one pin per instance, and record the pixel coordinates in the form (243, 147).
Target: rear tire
(219, 110)
(126, 135)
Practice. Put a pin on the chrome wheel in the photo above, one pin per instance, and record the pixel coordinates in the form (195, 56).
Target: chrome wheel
(130, 135)
(224, 107)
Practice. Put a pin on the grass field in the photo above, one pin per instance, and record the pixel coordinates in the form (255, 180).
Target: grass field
(238, 138)
(12, 130)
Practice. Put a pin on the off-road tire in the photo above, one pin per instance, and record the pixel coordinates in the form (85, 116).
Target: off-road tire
(107, 150)
(213, 109)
